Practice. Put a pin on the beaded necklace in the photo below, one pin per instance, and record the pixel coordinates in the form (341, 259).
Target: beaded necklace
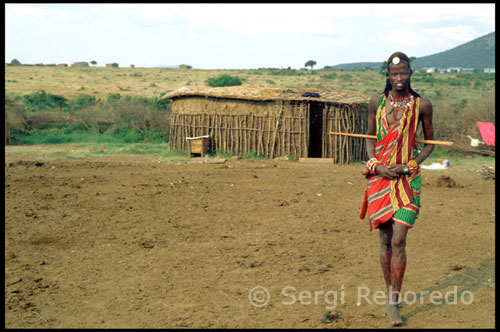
(399, 104)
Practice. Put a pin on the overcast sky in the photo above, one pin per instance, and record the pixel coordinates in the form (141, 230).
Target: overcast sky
(237, 36)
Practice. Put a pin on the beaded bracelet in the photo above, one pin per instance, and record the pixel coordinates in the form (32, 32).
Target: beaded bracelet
(413, 166)
(372, 164)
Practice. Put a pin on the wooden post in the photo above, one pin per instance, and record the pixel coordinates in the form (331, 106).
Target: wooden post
(278, 118)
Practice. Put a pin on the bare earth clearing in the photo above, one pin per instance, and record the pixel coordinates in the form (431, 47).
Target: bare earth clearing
(128, 242)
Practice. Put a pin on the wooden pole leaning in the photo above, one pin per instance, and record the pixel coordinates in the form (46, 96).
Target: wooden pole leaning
(424, 141)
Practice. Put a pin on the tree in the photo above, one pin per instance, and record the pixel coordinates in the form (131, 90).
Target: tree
(93, 62)
(15, 62)
(310, 63)
(412, 58)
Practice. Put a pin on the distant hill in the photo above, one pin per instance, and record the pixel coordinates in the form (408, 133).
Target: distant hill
(358, 65)
(478, 53)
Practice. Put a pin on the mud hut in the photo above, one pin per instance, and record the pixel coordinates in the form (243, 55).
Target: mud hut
(80, 64)
(271, 122)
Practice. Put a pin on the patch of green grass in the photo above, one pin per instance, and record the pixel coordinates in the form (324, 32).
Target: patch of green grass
(222, 154)
(60, 135)
(253, 155)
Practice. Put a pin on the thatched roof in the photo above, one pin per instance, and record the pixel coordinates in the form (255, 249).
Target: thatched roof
(265, 94)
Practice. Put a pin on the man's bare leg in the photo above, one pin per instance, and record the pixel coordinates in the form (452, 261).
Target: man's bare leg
(393, 263)
(386, 256)
(398, 267)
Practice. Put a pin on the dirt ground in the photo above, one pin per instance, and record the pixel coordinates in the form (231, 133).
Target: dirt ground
(126, 242)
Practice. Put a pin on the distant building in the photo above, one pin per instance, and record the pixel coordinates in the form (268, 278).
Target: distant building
(80, 64)
(489, 70)
(453, 70)
(431, 70)
(467, 70)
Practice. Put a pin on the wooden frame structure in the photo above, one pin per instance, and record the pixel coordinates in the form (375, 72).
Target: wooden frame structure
(271, 122)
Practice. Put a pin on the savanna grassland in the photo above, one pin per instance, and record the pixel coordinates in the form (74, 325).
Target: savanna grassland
(459, 99)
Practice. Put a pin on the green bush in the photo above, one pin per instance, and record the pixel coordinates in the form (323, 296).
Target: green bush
(223, 80)
(457, 82)
(43, 136)
(162, 104)
(41, 101)
(15, 62)
(329, 76)
(345, 77)
(127, 135)
(83, 100)
(154, 136)
(113, 97)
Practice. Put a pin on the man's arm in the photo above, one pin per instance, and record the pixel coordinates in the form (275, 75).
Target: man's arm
(381, 169)
(372, 109)
(425, 117)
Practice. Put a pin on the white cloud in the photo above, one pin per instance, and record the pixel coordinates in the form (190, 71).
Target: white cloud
(248, 19)
(426, 13)
(40, 12)
(459, 33)
(406, 37)
(339, 43)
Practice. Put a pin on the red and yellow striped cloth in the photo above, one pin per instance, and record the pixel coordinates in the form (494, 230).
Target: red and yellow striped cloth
(394, 146)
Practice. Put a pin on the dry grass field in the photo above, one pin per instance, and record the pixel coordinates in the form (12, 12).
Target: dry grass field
(459, 100)
(151, 82)
(100, 81)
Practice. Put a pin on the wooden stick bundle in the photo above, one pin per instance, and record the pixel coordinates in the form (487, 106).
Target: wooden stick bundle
(424, 141)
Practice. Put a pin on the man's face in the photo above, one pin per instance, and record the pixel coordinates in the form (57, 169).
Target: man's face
(399, 76)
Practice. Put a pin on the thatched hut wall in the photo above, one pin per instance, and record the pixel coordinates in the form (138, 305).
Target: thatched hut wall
(270, 126)
(344, 119)
(267, 128)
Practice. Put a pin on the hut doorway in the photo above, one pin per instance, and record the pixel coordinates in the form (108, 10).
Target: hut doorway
(315, 130)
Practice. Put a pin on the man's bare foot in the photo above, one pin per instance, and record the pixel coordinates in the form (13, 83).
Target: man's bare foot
(394, 316)
(385, 311)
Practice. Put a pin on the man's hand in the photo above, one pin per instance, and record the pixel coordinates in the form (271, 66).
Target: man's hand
(398, 169)
(386, 172)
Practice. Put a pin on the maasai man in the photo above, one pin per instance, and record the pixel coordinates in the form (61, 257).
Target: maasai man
(393, 191)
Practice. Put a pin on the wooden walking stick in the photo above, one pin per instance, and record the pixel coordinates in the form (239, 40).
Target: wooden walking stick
(425, 141)
(365, 171)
